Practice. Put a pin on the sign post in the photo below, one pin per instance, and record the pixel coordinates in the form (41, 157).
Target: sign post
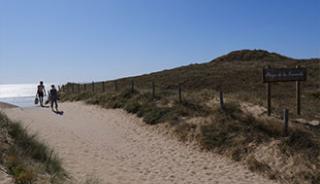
(298, 96)
(269, 98)
(284, 75)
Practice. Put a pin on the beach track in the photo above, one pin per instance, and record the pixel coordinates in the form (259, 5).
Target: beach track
(119, 148)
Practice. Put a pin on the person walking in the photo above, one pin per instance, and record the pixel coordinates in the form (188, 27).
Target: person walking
(53, 97)
(41, 92)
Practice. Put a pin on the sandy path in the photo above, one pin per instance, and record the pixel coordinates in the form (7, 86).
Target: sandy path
(119, 148)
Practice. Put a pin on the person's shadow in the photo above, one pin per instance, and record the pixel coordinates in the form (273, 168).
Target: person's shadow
(58, 112)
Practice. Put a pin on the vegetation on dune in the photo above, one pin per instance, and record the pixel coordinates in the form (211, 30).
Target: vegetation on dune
(25, 158)
(258, 142)
(238, 73)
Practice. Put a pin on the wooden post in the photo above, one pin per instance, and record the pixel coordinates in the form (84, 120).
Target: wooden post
(115, 86)
(285, 119)
(132, 86)
(92, 86)
(78, 86)
(85, 87)
(72, 87)
(180, 95)
(221, 100)
(103, 87)
(269, 96)
(153, 90)
(298, 96)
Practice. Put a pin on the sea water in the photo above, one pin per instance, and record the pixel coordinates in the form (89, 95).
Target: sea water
(22, 95)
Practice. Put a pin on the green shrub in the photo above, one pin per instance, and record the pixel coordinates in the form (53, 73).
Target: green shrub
(132, 106)
(155, 115)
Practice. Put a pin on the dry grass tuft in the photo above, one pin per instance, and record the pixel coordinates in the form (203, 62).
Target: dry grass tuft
(26, 158)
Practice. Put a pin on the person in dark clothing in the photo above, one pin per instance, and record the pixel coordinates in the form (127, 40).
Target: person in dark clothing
(41, 92)
(53, 97)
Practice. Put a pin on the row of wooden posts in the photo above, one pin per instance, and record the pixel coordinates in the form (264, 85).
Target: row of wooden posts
(76, 88)
(72, 88)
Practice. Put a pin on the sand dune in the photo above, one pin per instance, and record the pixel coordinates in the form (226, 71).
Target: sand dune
(4, 105)
(4, 177)
(117, 147)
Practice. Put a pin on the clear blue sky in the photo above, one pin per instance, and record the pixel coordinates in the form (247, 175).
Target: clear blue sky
(86, 40)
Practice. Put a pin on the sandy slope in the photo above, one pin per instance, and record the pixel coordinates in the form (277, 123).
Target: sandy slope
(119, 148)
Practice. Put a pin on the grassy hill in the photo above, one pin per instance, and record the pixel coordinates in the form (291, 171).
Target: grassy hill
(242, 130)
(238, 74)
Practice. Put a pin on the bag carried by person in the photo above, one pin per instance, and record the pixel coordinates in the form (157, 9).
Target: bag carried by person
(36, 100)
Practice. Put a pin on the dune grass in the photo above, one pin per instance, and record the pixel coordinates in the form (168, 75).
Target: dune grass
(26, 158)
(230, 132)
(238, 73)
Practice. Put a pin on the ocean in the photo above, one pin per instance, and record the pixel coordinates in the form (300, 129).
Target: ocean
(22, 95)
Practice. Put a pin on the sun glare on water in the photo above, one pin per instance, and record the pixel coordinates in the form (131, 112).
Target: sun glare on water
(17, 90)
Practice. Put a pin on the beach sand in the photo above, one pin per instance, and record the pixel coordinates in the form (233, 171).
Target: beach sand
(117, 147)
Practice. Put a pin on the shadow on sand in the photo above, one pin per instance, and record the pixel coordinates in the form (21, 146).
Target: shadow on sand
(58, 112)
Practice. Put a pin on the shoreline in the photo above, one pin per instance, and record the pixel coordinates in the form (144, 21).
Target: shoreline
(20, 101)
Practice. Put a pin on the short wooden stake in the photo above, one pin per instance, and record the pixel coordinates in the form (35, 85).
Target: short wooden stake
(115, 86)
(221, 100)
(153, 90)
(285, 119)
(92, 86)
(180, 93)
(298, 96)
(132, 86)
(103, 87)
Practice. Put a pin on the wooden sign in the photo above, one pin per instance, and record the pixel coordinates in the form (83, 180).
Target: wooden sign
(284, 74)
